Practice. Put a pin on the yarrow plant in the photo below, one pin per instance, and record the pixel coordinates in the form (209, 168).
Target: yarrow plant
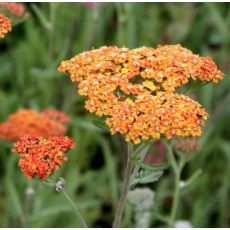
(57, 115)
(41, 157)
(41, 146)
(30, 122)
(136, 92)
(5, 25)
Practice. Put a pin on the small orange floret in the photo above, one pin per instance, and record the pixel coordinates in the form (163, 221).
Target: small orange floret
(40, 156)
(30, 122)
(57, 115)
(135, 89)
(5, 25)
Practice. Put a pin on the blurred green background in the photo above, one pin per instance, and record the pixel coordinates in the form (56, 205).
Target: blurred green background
(53, 32)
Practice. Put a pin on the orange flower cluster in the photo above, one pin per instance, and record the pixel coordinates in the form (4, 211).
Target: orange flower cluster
(17, 9)
(187, 145)
(30, 122)
(57, 115)
(150, 116)
(135, 89)
(40, 156)
(5, 25)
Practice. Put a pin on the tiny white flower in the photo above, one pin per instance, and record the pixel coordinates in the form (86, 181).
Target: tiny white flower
(29, 191)
(182, 224)
(182, 184)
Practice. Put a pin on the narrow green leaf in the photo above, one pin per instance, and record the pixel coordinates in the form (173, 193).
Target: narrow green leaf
(41, 17)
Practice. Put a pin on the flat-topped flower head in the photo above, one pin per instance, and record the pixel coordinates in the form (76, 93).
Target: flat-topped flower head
(40, 156)
(57, 115)
(5, 25)
(30, 122)
(16, 9)
(135, 89)
(187, 145)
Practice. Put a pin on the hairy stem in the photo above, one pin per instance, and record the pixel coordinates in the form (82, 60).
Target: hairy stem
(77, 212)
(177, 168)
(121, 203)
(176, 195)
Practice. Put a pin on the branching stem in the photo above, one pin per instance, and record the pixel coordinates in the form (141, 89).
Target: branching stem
(177, 168)
(121, 203)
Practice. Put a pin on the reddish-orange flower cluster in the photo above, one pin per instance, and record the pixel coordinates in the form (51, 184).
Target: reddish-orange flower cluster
(5, 25)
(40, 156)
(30, 122)
(57, 115)
(187, 145)
(135, 89)
(17, 9)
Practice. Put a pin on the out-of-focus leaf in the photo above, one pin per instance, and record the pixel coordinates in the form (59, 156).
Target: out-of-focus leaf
(152, 167)
(11, 189)
(100, 124)
(146, 176)
(41, 16)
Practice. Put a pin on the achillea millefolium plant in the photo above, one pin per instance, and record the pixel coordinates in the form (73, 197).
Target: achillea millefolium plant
(140, 95)
(135, 91)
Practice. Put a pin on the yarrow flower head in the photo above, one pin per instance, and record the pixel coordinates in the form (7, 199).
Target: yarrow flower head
(187, 145)
(5, 25)
(16, 9)
(40, 156)
(135, 89)
(30, 122)
(57, 115)
(89, 4)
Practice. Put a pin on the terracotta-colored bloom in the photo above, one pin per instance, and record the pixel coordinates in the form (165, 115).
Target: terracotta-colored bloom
(40, 156)
(135, 89)
(5, 25)
(57, 115)
(89, 4)
(187, 145)
(30, 122)
(17, 9)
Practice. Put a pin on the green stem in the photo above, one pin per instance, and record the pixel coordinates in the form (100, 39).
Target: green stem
(177, 168)
(77, 212)
(50, 182)
(176, 195)
(121, 203)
